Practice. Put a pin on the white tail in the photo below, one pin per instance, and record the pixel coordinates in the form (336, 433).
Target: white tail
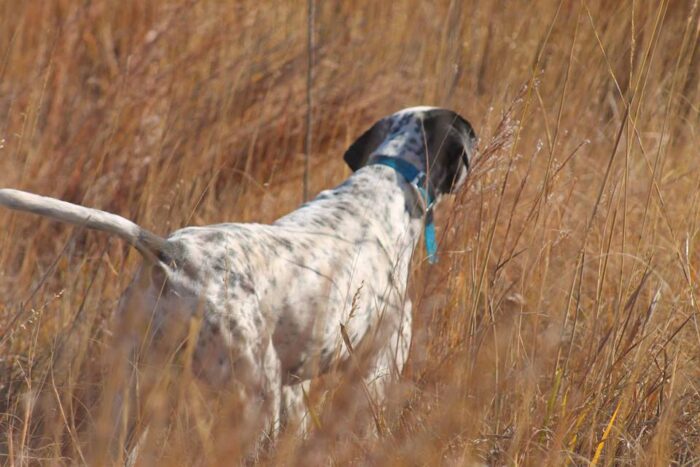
(150, 245)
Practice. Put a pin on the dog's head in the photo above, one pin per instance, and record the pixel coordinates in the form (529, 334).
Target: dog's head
(437, 141)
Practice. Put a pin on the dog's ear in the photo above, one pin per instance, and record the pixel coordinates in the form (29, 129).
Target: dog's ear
(451, 143)
(358, 153)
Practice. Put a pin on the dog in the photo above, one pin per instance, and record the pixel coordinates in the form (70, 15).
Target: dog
(282, 303)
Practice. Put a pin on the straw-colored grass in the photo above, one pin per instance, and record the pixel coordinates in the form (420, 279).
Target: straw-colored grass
(561, 324)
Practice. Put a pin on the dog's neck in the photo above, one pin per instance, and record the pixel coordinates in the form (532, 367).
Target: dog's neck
(392, 212)
(396, 208)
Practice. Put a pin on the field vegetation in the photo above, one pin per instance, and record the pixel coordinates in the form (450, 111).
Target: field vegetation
(561, 325)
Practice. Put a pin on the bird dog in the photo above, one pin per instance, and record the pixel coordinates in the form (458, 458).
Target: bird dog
(281, 303)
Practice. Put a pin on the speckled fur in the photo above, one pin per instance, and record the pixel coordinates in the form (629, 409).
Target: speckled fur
(272, 297)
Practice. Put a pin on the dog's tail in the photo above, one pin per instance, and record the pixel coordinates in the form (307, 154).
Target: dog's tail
(150, 245)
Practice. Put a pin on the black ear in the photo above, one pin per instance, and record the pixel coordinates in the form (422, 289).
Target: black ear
(451, 145)
(357, 154)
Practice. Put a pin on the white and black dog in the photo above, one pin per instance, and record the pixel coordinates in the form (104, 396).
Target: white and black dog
(271, 298)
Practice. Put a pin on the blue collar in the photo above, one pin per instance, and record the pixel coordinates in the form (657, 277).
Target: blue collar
(418, 179)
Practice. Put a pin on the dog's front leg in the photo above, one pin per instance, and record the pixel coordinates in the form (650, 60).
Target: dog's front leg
(293, 410)
(386, 367)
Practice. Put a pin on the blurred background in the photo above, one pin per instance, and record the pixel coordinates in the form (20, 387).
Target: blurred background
(561, 323)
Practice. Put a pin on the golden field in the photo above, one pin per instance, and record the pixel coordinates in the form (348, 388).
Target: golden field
(561, 325)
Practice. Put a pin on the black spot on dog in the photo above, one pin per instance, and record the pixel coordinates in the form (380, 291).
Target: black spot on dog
(247, 287)
(234, 328)
(214, 237)
(218, 264)
(233, 279)
(284, 243)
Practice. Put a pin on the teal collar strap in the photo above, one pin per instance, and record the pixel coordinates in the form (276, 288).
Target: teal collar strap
(418, 179)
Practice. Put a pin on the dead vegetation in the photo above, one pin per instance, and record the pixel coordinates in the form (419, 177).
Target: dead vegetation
(561, 325)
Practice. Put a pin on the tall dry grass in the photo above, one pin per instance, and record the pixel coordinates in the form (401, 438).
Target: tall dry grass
(561, 325)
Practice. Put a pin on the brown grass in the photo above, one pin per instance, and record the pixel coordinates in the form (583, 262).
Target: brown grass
(561, 325)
